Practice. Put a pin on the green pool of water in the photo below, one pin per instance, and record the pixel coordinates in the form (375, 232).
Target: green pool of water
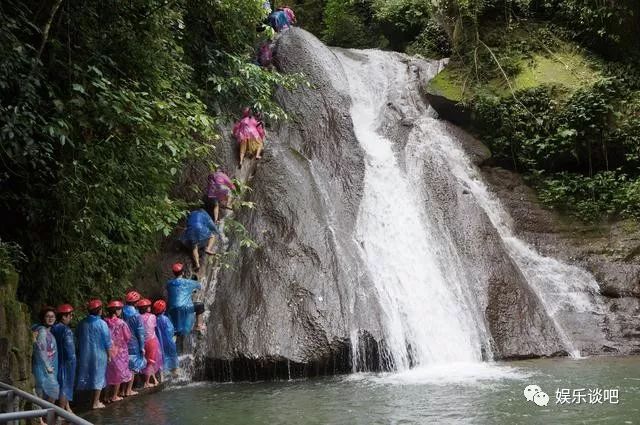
(466, 394)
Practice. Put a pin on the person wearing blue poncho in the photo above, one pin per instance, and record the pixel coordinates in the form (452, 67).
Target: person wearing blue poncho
(181, 309)
(166, 332)
(94, 343)
(44, 362)
(131, 316)
(200, 233)
(66, 354)
(278, 20)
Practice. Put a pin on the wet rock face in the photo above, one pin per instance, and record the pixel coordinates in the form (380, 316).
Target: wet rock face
(288, 298)
(608, 251)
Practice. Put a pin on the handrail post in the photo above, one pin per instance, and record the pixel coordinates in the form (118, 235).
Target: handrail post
(51, 416)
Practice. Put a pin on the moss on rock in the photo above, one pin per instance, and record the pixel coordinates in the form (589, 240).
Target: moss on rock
(15, 335)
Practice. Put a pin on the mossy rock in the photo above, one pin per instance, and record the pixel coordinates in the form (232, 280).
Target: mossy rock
(15, 336)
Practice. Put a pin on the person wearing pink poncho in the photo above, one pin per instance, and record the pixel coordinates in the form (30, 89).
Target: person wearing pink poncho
(118, 371)
(152, 350)
(219, 188)
(250, 135)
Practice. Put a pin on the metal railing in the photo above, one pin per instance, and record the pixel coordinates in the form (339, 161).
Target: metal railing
(9, 397)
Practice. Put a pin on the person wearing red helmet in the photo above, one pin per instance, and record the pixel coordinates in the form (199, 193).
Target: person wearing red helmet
(66, 354)
(118, 371)
(137, 361)
(94, 344)
(182, 311)
(166, 334)
(152, 349)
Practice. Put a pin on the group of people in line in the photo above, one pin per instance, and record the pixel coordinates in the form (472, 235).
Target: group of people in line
(113, 343)
(134, 337)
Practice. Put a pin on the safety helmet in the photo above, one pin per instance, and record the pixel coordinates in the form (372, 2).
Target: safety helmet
(177, 268)
(132, 296)
(143, 303)
(64, 309)
(159, 307)
(115, 304)
(93, 304)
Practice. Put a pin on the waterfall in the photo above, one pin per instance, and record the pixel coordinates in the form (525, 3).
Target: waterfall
(432, 301)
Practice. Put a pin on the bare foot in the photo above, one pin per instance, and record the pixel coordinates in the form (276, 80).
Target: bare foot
(114, 399)
(130, 393)
(98, 405)
(147, 385)
(209, 252)
(258, 156)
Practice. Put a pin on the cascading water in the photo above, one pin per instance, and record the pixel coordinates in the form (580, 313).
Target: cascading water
(428, 295)
(427, 317)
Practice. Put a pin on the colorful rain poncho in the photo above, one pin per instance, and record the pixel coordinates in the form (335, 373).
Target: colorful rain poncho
(181, 312)
(265, 54)
(152, 350)
(165, 335)
(66, 358)
(44, 363)
(137, 362)
(118, 368)
(278, 20)
(219, 186)
(200, 227)
(93, 343)
(291, 16)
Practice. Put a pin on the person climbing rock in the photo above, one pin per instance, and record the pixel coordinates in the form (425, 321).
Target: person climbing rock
(44, 362)
(118, 371)
(166, 335)
(278, 20)
(201, 232)
(247, 134)
(265, 55)
(137, 361)
(152, 350)
(66, 354)
(94, 345)
(291, 16)
(182, 311)
(218, 192)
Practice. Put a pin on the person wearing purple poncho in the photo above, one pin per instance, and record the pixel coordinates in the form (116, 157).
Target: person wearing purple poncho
(44, 361)
(118, 371)
(94, 344)
(66, 354)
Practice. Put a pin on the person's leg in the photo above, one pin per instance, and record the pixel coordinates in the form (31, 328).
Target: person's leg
(243, 151)
(96, 400)
(63, 402)
(130, 391)
(209, 250)
(195, 255)
(260, 149)
(116, 390)
(216, 212)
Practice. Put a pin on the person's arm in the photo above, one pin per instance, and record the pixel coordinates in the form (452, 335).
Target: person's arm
(195, 285)
(69, 346)
(106, 339)
(140, 333)
(41, 344)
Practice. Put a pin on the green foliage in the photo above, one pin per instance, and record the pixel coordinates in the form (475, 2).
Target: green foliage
(432, 42)
(610, 27)
(98, 116)
(581, 151)
(346, 23)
